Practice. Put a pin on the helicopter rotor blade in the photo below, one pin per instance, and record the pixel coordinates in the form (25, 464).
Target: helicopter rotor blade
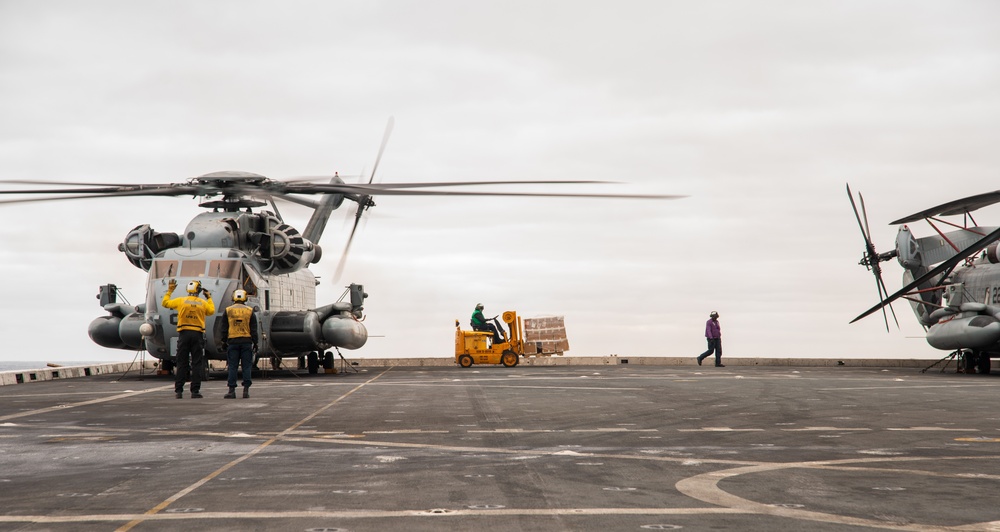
(74, 183)
(394, 192)
(347, 247)
(884, 290)
(364, 200)
(381, 149)
(121, 192)
(273, 187)
(327, 188)
(876, 267)
(864, 214)
(96, 191)
(938, 270)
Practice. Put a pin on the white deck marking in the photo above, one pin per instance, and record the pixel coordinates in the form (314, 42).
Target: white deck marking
(705, 487)
(934, 429)
(719, 429)
(175, 497)
(115, 397)
(808, 429)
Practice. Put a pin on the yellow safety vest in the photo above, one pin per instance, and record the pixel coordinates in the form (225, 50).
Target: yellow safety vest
(191, 311)
(239, 320)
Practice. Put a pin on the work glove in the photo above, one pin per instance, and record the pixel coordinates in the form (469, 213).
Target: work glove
(172, 285)
(207, 295)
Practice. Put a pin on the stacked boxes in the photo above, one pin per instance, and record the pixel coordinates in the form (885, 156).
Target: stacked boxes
(545, 336)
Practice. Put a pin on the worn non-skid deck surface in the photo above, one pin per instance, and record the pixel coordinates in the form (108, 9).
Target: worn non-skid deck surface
(491, 448)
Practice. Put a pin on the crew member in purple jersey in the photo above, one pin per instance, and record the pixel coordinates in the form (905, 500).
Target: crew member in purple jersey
(713, 333)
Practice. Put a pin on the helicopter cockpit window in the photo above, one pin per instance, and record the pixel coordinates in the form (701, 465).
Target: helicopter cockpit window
(193, 268)
(164, 268)
(224, 269)
(249, 283)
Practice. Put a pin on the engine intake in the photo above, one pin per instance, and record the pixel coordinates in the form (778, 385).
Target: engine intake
(283, 247)
(143, 243)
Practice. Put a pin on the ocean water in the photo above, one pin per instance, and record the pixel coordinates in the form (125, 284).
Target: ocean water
(18, 365)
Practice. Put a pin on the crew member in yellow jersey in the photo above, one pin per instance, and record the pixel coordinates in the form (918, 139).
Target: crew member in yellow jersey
(191, 314)
(240, 332)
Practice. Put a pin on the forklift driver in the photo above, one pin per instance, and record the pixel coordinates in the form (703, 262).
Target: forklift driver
(479, 323)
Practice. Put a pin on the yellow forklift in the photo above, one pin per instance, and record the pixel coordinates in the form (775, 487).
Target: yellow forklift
(478, 347)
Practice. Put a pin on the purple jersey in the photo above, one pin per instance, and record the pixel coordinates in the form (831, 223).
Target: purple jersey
(712, 329)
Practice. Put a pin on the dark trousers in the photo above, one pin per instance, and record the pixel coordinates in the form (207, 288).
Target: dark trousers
(190, 356)
(714, 344)
(240, 355)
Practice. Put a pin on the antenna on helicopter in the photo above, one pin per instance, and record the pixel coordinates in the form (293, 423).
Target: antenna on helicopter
(872, 258)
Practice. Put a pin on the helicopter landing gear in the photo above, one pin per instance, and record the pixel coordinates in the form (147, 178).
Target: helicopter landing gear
(983, 365)
(312, 363)
(328, 360)
(974, 362)
(302, 362)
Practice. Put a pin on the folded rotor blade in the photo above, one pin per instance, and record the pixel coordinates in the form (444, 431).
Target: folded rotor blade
(876, 268)
(871, 257)
(885, 291)
(939, 269)
(864, 214)
(869, 248)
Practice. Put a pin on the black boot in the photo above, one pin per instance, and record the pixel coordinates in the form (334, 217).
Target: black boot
(246, 392)
(231, 394)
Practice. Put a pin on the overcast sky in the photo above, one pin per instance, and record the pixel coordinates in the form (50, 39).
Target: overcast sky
(759, 112)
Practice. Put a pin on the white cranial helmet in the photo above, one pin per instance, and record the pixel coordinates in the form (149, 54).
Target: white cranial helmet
(239, 296)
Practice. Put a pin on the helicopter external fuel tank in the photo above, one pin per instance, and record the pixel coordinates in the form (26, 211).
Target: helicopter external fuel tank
(117, 331)
(307, 330)
(295, 331)
(966, 330)
(344, 332)
(120, 329)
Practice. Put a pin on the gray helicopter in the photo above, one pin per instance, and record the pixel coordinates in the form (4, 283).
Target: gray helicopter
(237, 245)
(951, 278)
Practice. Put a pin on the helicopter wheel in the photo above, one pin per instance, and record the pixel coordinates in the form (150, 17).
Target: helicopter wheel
(969, 362)
(508, 359)
(465, 361)
(984, 364)
(312, 363)
(328, 360)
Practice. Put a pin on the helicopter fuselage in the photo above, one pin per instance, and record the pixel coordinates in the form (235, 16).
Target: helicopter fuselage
(226, 251)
